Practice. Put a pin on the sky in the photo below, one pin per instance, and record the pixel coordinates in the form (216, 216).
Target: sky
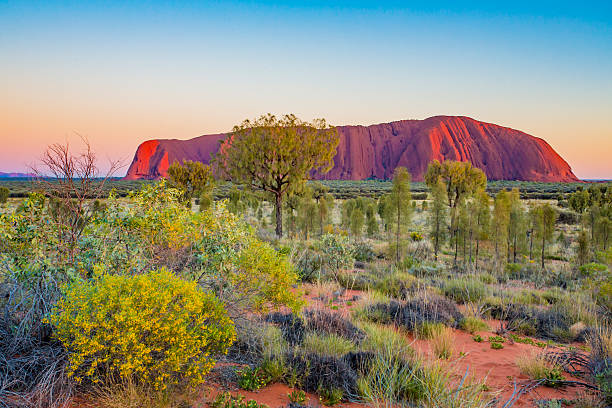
(120, 73)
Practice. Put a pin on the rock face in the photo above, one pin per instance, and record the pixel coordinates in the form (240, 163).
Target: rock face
(375, 151)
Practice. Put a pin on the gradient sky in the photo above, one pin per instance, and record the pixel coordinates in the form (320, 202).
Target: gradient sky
(121, 73)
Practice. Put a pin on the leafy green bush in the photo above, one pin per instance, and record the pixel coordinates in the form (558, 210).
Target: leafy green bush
(362, 251)
(336, 252)
(153, 327)
(593, 269)
(497, 346)
(252, 379)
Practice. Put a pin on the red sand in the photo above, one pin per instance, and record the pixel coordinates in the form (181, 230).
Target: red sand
(497, 366)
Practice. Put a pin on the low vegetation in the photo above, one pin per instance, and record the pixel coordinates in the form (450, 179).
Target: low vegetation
(132, 298)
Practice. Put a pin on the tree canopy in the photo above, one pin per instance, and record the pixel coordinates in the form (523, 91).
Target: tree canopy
(191, 178)
(459, 177)
(277, 155)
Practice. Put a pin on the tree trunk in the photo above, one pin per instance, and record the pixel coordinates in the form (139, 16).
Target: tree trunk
(397, 233)
(437, 236)
(543, 246)
(278, 206)
(456, 245)
(477, 251)
(470, 247)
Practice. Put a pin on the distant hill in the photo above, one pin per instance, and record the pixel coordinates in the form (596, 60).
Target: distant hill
(16, 175)
(375, 151)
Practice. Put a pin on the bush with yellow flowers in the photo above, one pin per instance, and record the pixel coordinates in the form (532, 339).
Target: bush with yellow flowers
(155, 328)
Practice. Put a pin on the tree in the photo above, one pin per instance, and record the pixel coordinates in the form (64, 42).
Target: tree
(4, 194)
(347, 210)
(307, 212)
(482, 208)
(460, 179)
(357, 221)
(236, 204)
(545, 227)
(437, 215)
(579, 200)
(603, 228)
(325, 203)
(381, 208)
(583, 253)
(277, 155)
(516, 224)
(532, 222)
(371, 222)
(292, 203)
(501, 219)
(193, 179)
(71, 181)
(399, 205)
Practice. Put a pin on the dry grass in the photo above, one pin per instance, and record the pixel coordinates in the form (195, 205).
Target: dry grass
(536, 366)
(442, 343)
(128, 394)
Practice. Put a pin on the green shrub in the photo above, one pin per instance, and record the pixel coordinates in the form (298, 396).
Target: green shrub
(526, 329)
(297, 397)
(154, 327)
(397, 285)
(336, 252)
(477, 338)
(329, 344)
(4, 194)
(473, 324)
(497, 346)
(252, 379)
(308, 265)
(227, 400)
(593, 269)
(465, 290)
(330, 396)
(362, 251)
(273, 369)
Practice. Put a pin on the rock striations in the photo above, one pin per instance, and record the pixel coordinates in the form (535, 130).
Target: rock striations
(375, 151)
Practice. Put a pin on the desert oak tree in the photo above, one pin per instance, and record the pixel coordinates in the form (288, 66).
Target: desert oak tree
(277, 155)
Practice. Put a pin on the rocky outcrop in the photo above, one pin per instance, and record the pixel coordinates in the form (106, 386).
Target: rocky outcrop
(375, 151)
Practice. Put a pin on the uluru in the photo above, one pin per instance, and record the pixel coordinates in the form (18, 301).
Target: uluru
(375, 151)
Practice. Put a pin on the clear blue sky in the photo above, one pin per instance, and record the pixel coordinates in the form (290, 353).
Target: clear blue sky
(124, 72)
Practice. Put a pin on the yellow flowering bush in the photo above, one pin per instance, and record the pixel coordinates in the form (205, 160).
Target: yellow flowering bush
(155, 328)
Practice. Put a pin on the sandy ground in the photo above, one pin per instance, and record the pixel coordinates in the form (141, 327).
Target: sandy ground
(497, 367)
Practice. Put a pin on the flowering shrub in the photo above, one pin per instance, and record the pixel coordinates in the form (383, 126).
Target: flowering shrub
(214, 247)
(153, 327)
